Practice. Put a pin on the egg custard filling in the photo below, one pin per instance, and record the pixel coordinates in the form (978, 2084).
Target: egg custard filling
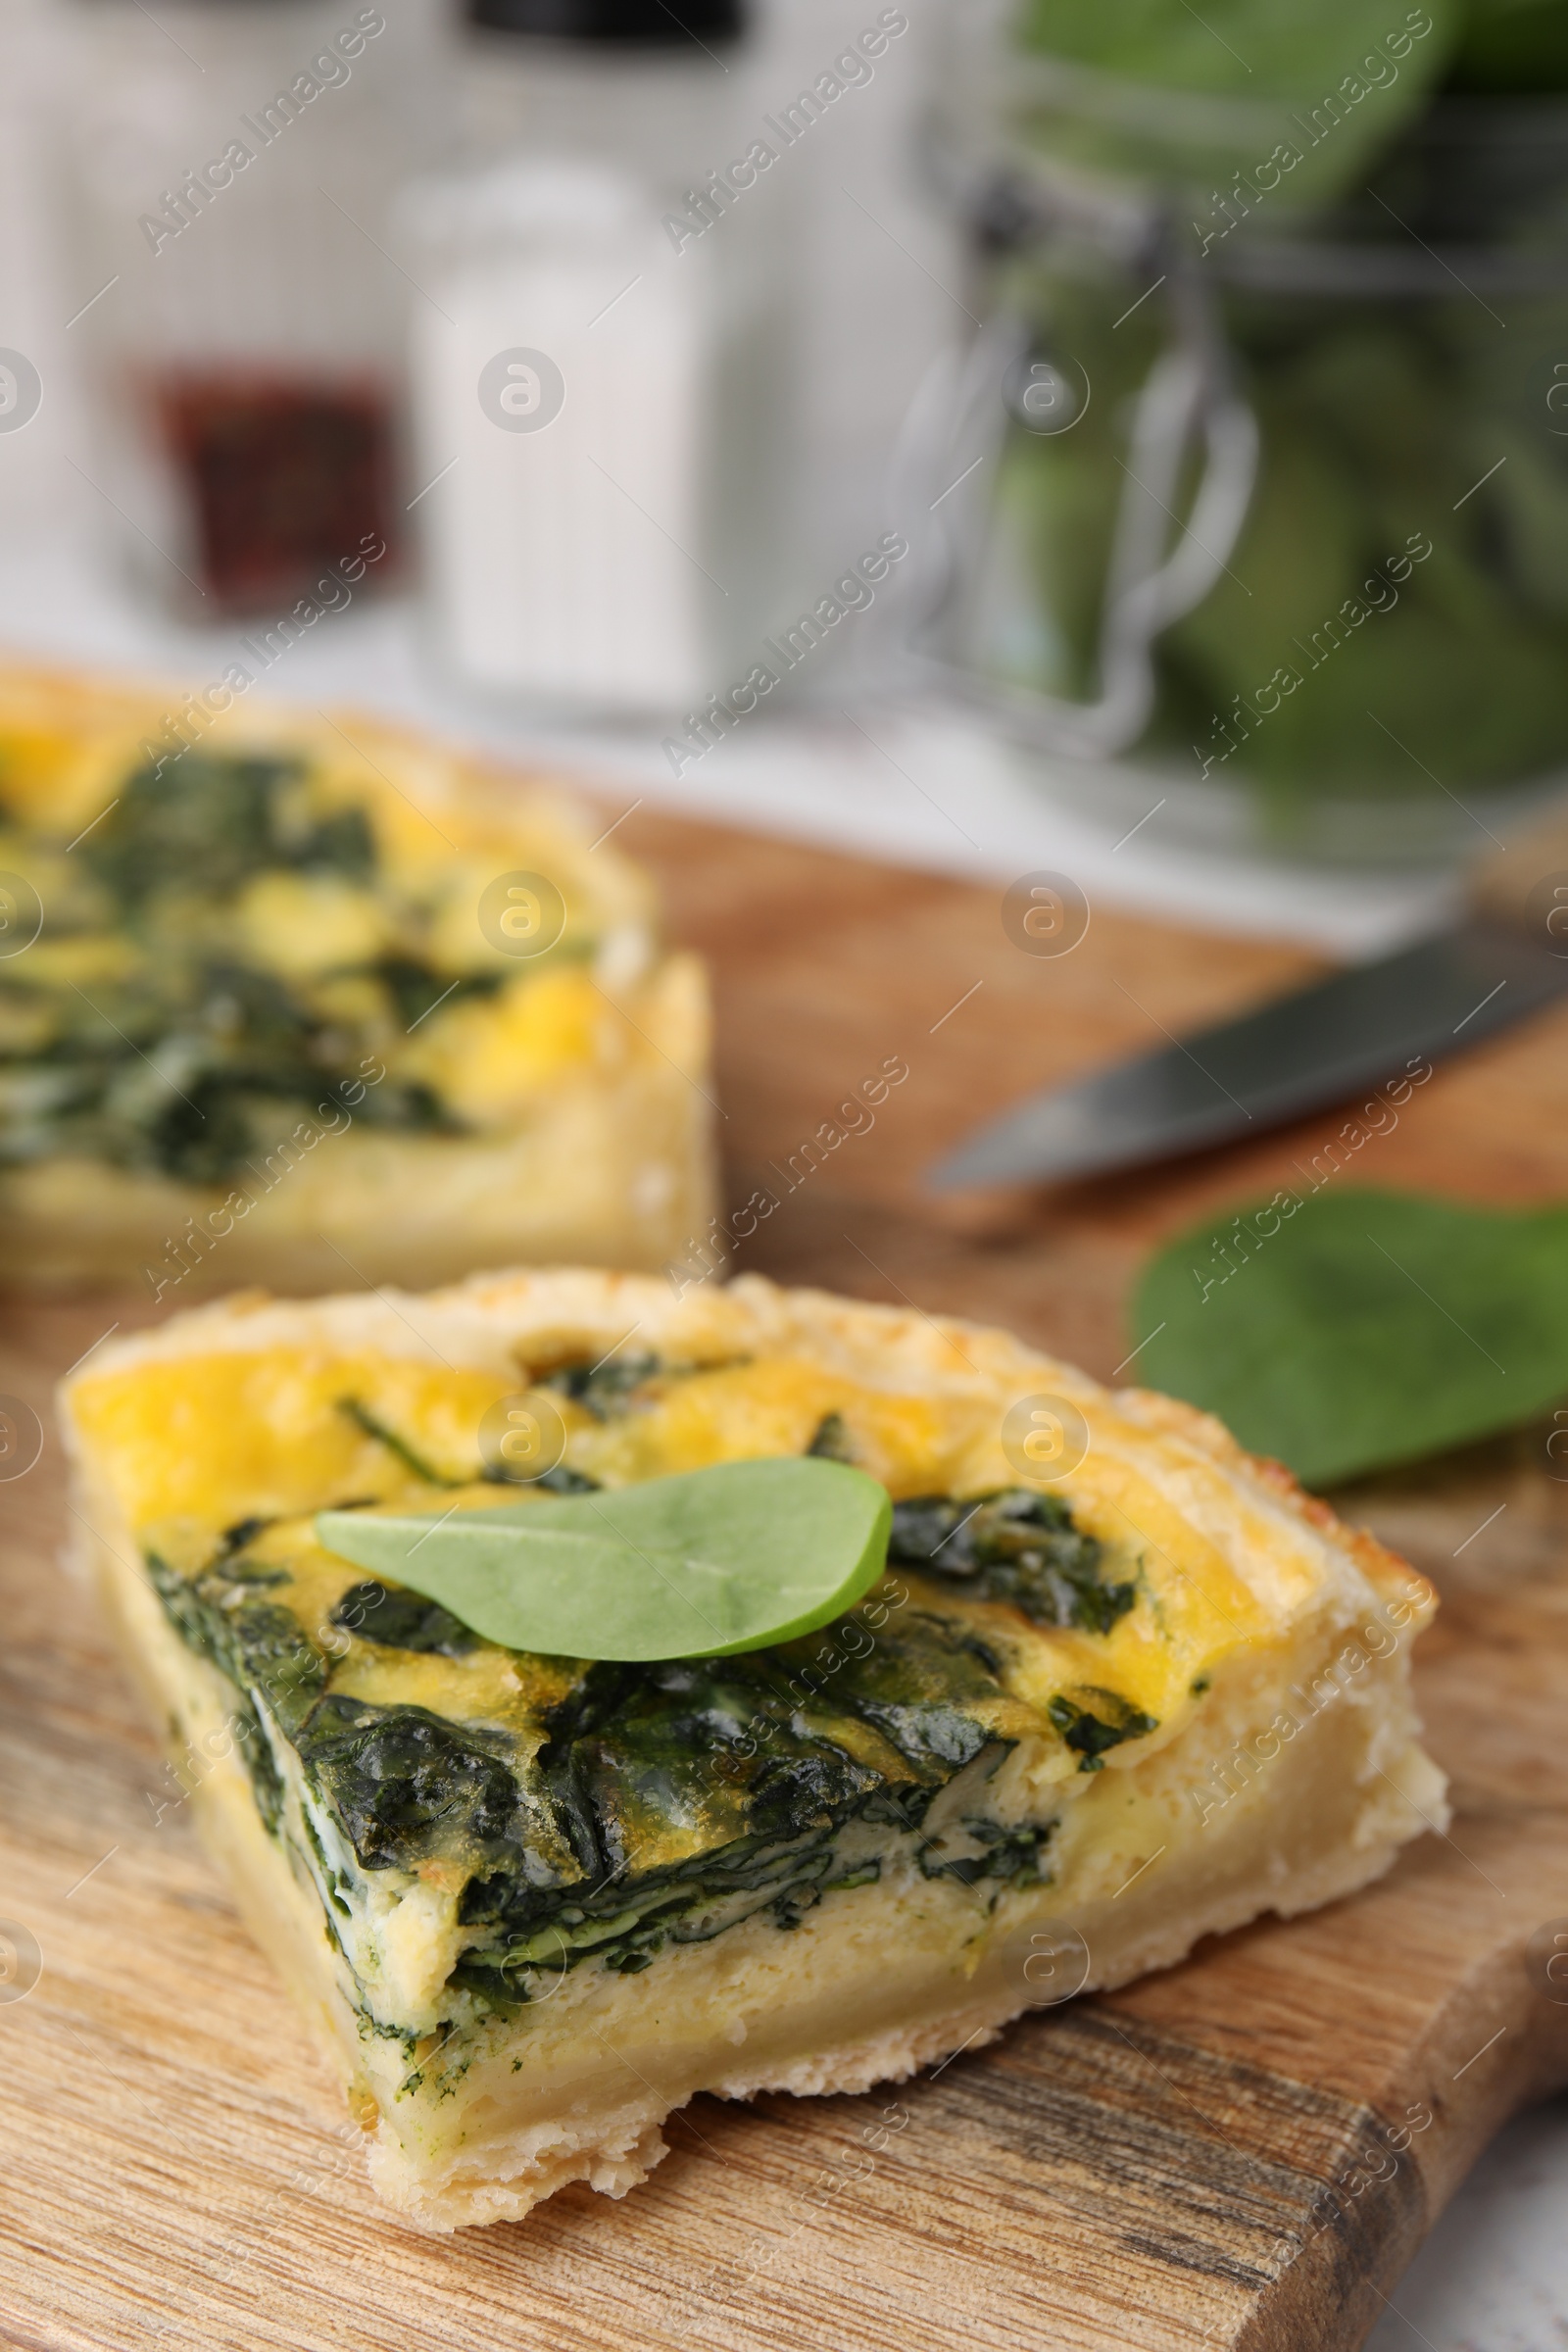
(300, 1001)
(534, 1904)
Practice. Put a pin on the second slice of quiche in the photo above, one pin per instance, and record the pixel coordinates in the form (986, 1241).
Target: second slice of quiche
(535, 1903)
(307, 1000)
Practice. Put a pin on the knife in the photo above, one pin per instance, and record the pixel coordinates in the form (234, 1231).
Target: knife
(1506, 959)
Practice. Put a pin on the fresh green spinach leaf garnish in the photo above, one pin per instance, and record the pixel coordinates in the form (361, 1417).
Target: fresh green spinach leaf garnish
(706, 1563)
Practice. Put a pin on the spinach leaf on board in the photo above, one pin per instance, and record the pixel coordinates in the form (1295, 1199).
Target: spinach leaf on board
(1356, 1329)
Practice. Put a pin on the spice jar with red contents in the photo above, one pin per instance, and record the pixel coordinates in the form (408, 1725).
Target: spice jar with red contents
(231, 166)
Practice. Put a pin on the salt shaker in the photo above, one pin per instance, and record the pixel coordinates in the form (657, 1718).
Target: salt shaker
(597, 384)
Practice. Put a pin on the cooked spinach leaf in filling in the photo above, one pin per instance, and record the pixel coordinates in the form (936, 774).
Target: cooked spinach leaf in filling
(1019, 1546)
(657, 1805)
(401, 1620)
(1090, 1729)
(184, 1055)
(605, 1387)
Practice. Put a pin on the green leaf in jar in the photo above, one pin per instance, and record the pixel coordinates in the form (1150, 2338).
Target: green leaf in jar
(1159, 94)
(1251, 48)
(1511, 46)
(705, 1564)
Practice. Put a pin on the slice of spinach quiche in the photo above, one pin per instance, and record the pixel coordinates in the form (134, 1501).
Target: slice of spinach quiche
(537, 1902)
(304, 1000)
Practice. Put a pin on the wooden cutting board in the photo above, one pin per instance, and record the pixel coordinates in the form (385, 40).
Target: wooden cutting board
(1243, 2151)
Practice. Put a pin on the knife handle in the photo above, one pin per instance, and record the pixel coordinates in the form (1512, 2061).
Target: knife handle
(1526, 885)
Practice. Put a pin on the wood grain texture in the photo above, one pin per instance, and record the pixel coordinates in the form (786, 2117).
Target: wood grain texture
(1241, 2153)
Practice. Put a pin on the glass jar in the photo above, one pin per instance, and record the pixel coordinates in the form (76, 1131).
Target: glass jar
(1272, 523)
(232, 170)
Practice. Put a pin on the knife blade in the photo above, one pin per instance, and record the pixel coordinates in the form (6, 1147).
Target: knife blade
(1292, 1056)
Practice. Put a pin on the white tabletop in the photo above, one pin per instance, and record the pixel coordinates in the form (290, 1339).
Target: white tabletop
(1493, 2276)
